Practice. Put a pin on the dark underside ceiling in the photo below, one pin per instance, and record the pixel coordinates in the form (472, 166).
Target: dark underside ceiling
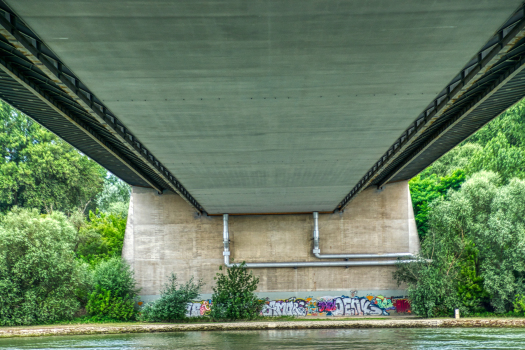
(333, 147)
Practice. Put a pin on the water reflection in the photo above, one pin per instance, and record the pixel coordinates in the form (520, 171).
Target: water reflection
(455, 338)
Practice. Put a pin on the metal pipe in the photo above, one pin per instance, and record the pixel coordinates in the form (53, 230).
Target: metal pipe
(226, 240)
(322, 263)
(226, 253)
(317, 250)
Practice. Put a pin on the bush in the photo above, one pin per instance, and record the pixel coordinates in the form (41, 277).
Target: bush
(114, 290)
(39, 276)
(103, 305)
(115, 275)
(233, 296)
(173, 302)
(519, 304)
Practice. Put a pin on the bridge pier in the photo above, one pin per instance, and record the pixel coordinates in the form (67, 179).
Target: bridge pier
(164, 234)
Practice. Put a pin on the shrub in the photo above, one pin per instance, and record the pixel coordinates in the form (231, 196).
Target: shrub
(519, 304)
(39, 276)
(173, 302)
(105, 305)
(115, 275)
(114, 290)
(233, 296)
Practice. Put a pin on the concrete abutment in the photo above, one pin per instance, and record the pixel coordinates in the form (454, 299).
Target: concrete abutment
(164, 235)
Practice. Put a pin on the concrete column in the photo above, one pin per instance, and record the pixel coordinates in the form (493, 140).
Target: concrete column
(164, 235)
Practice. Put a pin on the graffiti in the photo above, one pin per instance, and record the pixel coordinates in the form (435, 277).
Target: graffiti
(402, 305)
(328, 306)
(324, 306)
(384, 303)
(347, 306)
(289, 307)
(198, 308)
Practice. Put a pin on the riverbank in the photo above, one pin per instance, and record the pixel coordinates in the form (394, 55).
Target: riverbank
(118, 328)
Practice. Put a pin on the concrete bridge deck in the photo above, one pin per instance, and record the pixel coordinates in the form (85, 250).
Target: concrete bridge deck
(262, 107)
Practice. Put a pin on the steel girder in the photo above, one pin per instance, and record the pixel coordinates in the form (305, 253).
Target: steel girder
(78, 105)
(422, 133)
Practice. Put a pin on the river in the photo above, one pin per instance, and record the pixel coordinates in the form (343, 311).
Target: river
(408, 338)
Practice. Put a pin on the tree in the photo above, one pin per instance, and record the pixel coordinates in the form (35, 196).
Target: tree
(39, 170)
(233, 297)
(101, 237)
(475, 246)
(40, 280)
(114, 197)
(426, 188)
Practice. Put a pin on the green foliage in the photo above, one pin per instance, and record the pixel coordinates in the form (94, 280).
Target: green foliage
(511, 124)
(114, 291)
(519, 304)
(233, 296)
(104, 305)
(173, 302)
(116, 276)
(40, 280)
(114, 197)
(498, 147)
(101, 237)
(470, 284)
(499, 156)
(476, 245)
(39, 170)
(425, 188)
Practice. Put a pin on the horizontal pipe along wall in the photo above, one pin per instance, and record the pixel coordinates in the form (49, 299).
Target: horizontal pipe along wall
(164, 235)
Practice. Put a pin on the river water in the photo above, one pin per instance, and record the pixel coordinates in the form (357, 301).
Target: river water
(409, 338)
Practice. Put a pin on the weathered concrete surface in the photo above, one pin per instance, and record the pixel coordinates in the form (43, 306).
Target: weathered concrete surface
(10, 332)
(165, 235)
(266, 106)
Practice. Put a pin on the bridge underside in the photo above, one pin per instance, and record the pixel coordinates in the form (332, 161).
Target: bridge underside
(262, 107)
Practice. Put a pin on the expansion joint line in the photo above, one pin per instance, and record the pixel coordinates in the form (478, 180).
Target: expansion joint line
(30, 47)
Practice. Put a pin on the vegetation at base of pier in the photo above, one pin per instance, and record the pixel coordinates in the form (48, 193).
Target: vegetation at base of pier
(63, 217)
(173, 302)
(233, 296)
(40, 280)
(470, 214)
(113, 291)
(62, 223)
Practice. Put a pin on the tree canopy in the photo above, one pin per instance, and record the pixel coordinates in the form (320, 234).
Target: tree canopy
(469, 208)
(39, 170)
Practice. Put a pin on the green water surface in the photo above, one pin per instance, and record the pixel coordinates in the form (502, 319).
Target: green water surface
(451, 338)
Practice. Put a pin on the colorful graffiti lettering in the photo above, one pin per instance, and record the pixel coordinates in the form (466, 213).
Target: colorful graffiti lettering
(289, 307)
(348, 306)
(324, 306)
(198, 308)
(384, 303)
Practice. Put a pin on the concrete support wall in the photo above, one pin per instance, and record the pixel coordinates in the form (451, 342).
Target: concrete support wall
(164, 235)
